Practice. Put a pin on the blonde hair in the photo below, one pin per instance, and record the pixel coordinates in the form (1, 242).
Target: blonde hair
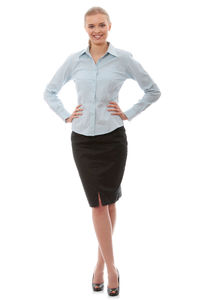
(93, 11)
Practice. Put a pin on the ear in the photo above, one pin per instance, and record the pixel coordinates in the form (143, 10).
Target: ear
(110, 25)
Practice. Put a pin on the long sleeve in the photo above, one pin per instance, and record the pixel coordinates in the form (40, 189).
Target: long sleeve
(62, 76)
(151, 90)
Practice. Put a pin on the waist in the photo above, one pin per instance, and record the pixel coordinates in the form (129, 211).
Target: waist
(94, 125)
(113, 131)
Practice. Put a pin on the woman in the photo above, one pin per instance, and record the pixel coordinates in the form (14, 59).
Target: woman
(98, 137)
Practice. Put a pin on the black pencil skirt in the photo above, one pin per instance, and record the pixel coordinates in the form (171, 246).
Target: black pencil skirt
(100, 161)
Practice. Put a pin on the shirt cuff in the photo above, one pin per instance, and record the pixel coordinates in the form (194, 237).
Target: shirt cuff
(65, 115)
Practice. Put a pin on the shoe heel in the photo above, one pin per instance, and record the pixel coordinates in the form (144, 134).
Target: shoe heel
(114, 291)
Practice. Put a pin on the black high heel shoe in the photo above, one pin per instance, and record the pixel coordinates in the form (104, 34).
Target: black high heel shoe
(97, 286)
(113, 291)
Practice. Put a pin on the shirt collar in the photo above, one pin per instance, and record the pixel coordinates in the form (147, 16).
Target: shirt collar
(111, 49)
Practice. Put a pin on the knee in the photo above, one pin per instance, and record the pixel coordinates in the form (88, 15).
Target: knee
(111, 207)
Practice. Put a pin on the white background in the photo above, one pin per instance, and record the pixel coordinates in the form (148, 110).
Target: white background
(48, 243)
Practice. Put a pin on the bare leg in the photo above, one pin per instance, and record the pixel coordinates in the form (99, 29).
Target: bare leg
(104, 218)
(99, 269)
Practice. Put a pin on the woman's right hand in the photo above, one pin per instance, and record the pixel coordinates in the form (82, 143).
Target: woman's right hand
(75, 114)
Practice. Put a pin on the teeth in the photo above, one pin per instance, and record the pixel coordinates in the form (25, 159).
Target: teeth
(97, 36)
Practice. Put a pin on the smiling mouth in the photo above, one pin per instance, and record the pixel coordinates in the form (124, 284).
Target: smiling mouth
(97, 36)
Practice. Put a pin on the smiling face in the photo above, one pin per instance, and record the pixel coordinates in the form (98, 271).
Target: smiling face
(97, 27)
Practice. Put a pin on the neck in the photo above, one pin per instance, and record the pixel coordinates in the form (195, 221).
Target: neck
(99, 49)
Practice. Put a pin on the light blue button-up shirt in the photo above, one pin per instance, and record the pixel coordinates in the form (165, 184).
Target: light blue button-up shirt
(97, 84)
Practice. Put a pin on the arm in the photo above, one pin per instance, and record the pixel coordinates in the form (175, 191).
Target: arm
(152, 92)
(62, 76)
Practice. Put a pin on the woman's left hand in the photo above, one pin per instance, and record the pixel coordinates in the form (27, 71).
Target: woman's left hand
(116, 108)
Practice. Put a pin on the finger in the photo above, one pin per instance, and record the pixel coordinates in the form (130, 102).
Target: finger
(77, 110)
(113, 104)
(117, 109)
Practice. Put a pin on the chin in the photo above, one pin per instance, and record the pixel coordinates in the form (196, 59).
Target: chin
(99, 42)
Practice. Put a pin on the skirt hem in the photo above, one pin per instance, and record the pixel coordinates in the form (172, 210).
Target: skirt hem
(106, 200)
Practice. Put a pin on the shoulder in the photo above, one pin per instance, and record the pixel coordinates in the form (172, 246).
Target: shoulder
(124, 56)
(71, 60)
(73, 56)
(122, 52)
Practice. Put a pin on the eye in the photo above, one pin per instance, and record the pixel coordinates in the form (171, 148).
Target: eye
(102, 25)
